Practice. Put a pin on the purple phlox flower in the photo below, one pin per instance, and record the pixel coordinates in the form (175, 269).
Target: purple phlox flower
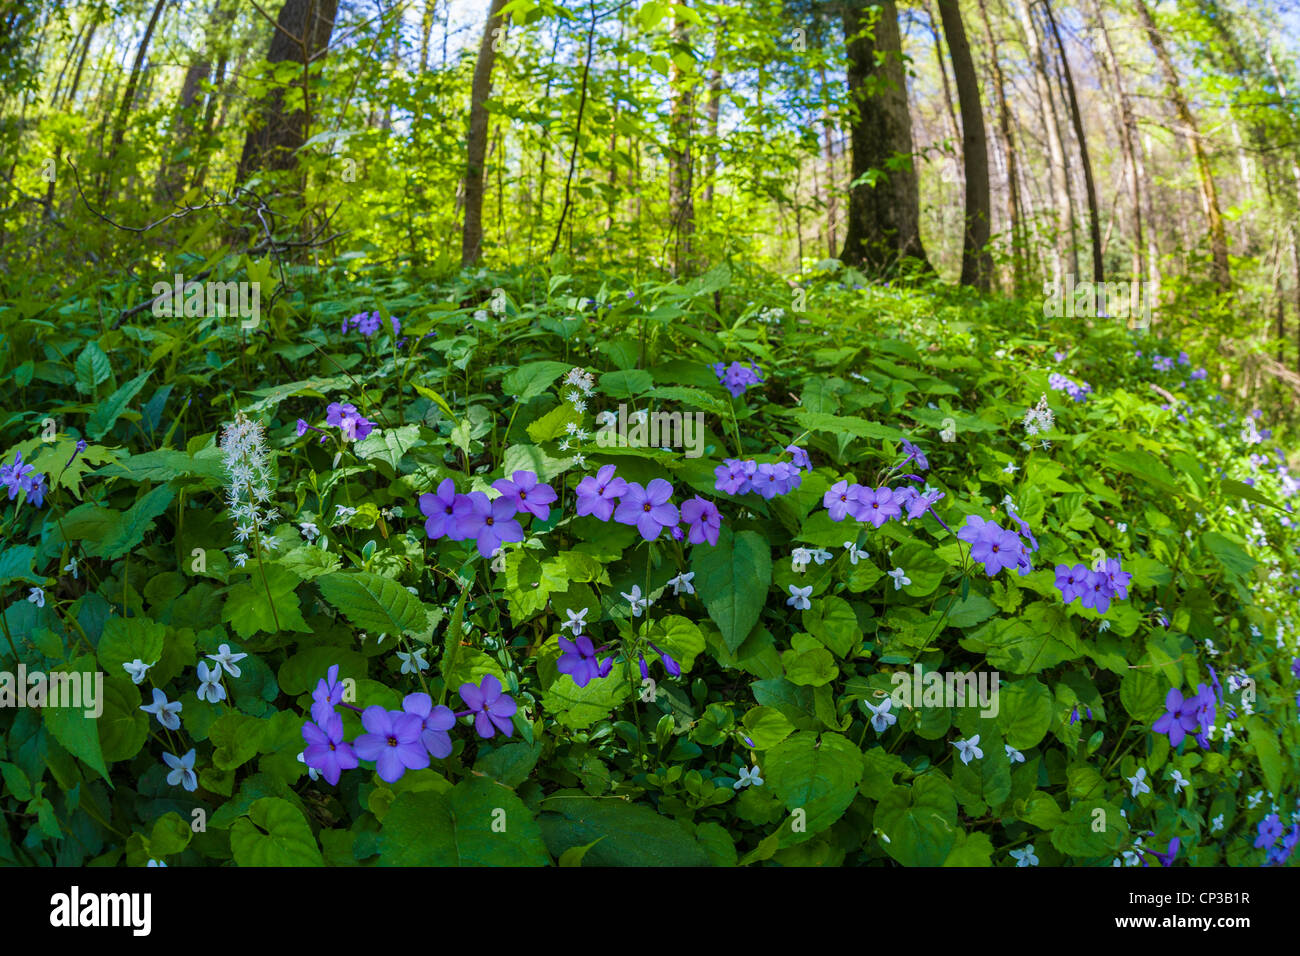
(1097, 592)
(991, 545)
(597, 495)
(799, 458)
(670, 665)
(1119, 580)
(1166, 858)
(393, 741)
(15, 476)
(327, 751)
(439, 508)
(877, 505)
(578, 659)
(527, 494)
(1177, 720)
(1024, 530)
(490, 523)
(1295, 667)
(843, 499)
(491, 708)
(914, 454)
(328, 694)
(648, 508)
(1214, 682)
(435, 721)
(736, 377)
(775, 479)
(345, 417)
(1183, 359)
(734, 476)
(1270, 829)
(1074, 715)
(704, 520)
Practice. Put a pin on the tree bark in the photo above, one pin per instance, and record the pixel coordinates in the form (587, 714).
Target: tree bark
(471, 241)
(1090, 188)
(1209, 194)
(976, 257)
(681, 199)
(884, 215)
(1018, 240)
(1066, 255)
(301, 34)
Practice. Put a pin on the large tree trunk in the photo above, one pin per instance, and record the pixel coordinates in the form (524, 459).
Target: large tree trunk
(1209, 194)
(1090, 188)
(1066, 255)
(976, 257)
(1007, 130)
(884, 216)
(471, 239)
(302, 33)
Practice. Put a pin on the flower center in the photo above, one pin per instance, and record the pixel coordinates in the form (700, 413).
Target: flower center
(488, 520)
(392, 741)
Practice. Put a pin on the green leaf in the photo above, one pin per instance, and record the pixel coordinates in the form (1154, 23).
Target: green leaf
(478, 822)
(16, 564)
(106, 415)
(249, 608)
(732, 578)
(71, 726)
(634, 835)
(92, 368)
(920, 821)
(579, 707)
(626, 383)
(1229, 553)
(532, 379)
(373, 602)
(831, 620)
(275, 833)
(1264, 740)
(126, 639)
(390, 444)
(1024, 712)
(123, 727)
(123, 532)
(819, 775)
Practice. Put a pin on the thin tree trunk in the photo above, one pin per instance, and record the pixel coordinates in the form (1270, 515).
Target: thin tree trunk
(681, 201)
(471, 243)
(1066, 255)
(1018, 240)
(1090, 188)
(128, 97)
(976, 257)
(1209, 194)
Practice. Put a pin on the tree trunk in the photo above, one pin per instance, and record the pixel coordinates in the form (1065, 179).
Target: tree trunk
(1209, 194)
(681, 200)
(976, 257)
(471, 240)
(1018, 240)
(1066, 256)
(1090, 188)
(128, 96)
(302, 33)
(884, 214)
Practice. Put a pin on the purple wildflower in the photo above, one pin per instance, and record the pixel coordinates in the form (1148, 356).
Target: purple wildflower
(704, 519)
(492, 709)
(527, 494)
(490, 523)
(435, 721)
(439, 508)
(648, 508)
(598, 495)
(393, 741)
(327, 751)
